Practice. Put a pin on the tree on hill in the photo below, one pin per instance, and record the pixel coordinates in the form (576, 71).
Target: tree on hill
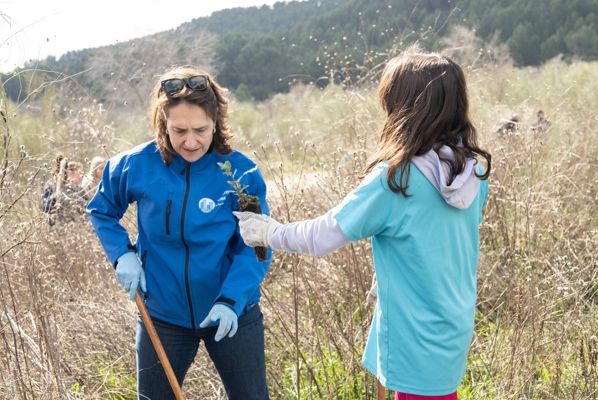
(134, 64)
(282, 16)
(537, 30)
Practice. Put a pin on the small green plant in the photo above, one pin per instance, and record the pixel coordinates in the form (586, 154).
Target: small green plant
(247, 202)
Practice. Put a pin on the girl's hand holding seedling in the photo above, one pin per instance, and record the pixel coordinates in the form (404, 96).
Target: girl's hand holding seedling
(247, 202)
(256, 229)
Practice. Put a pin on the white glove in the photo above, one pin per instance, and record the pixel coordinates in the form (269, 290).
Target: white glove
(256, 229)
(228, 321)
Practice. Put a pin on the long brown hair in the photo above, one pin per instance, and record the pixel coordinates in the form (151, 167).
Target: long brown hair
(212, 100)
(425, 99)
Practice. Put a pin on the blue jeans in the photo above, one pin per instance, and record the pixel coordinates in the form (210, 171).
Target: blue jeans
(240, 360)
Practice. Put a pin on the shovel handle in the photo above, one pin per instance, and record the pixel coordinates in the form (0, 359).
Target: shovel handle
(149, 325)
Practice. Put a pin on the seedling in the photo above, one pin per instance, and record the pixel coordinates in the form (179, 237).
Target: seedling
(247, 202)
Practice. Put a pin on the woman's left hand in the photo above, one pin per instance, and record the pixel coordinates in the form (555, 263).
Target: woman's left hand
(228, 321)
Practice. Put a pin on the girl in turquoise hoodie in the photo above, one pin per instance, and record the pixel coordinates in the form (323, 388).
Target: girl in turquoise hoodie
(420, 202)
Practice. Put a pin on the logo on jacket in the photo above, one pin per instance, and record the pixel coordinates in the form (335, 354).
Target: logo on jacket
(206, 205)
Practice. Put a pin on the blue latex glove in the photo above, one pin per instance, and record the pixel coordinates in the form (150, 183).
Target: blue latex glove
(129, 272)
(228, 321)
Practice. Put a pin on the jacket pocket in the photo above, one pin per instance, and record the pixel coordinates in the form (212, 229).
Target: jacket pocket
(159, 213)
(168, 211)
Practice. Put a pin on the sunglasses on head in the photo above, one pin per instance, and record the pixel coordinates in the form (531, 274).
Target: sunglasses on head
(175, 85)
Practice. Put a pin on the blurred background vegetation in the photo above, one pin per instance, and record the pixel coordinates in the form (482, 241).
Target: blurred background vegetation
(66, 327)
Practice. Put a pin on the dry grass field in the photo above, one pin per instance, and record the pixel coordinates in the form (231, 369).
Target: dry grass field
(67, 327)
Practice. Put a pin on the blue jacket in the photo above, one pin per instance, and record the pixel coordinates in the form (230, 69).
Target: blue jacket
(188, 239)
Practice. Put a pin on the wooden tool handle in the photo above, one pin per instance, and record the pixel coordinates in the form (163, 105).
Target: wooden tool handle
(149, 325)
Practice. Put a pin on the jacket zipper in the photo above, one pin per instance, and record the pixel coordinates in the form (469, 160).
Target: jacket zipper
(187, 170)
(168, 211)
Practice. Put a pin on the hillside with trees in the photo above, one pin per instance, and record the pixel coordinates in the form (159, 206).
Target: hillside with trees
(259, 51)
(68, 326)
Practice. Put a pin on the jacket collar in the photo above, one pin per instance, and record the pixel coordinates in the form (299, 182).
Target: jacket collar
(179, 163)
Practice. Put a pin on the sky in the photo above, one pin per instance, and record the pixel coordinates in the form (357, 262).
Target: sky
(34, 29)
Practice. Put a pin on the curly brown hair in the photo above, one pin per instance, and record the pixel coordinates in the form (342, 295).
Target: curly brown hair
(424, 96)
(212, 100)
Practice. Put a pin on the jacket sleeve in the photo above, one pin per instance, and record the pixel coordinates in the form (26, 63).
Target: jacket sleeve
(318, 237)
(109, 205)
(246, 272)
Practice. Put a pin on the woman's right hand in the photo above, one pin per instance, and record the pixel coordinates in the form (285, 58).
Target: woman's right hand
(129, 272)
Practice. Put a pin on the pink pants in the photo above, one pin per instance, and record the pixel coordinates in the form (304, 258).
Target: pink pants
(405, 396)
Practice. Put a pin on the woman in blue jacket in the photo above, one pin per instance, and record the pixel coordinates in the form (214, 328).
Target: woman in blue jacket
(199, 280)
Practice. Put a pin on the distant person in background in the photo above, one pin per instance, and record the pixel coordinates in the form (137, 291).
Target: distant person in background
(94, 176)
(541, 124)
(420, 203)
(506, 126)
(64, 199)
